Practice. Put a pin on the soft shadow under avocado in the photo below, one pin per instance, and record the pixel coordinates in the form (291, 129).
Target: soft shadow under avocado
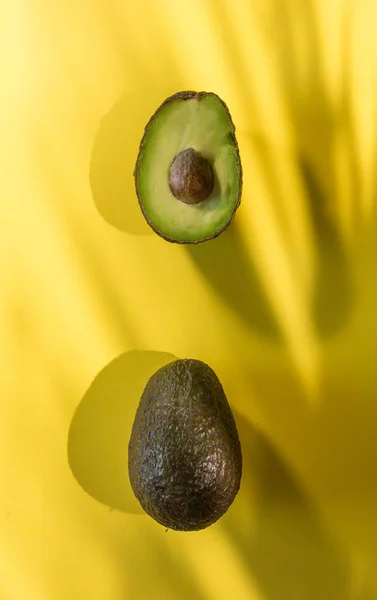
(101, 427)
(113, 159)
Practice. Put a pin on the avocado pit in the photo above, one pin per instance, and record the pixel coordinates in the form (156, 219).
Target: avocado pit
(191, 177)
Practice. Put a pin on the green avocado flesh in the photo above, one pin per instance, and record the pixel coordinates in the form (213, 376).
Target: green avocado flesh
(200, 122)
(184, 454)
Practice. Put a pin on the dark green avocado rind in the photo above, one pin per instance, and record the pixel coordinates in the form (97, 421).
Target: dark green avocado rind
(189, 95)
(185, 461)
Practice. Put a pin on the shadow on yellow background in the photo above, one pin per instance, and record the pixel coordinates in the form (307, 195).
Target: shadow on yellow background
(101, 428)
(329, 173)
(278, 532)
(226, 265)
(333, 292)
(294, 274)
(114, 155)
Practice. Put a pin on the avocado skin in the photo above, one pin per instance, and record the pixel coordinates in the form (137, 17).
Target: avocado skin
(188, 95)
(184, 455)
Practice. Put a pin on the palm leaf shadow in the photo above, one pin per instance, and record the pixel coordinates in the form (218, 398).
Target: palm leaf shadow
(284, 543)
(317, 124)
(334, 291)
(226, 265)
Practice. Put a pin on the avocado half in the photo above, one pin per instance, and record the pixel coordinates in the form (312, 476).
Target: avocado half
(184, 453)
(188, 174)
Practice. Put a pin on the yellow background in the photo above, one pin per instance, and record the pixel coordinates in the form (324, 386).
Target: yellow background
(283, 306)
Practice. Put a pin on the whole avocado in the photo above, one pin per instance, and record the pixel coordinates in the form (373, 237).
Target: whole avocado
(184, 455)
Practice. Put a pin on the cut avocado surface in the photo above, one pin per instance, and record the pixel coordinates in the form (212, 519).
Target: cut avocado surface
(188, 173)
(184, 456)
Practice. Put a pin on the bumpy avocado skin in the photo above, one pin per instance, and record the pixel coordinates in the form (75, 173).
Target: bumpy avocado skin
(188, 95)
(184, 455)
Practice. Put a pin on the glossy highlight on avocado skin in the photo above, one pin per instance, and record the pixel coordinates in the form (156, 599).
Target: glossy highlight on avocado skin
(184, 456)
